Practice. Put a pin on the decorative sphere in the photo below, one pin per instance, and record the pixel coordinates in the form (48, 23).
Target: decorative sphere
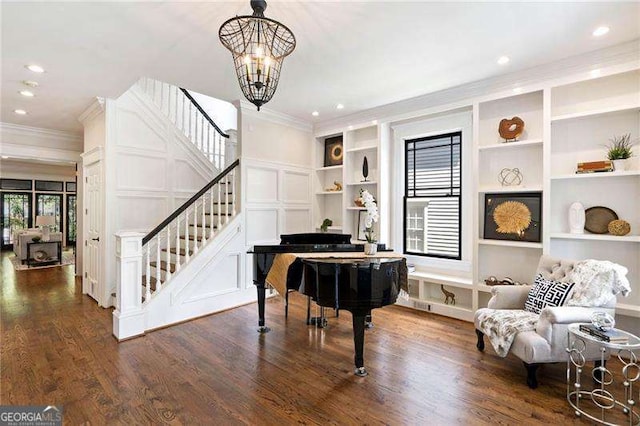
(603, 321)
(619, 227)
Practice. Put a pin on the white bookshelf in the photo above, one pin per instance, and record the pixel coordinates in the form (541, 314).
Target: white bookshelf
(339, 206)
(597, 237)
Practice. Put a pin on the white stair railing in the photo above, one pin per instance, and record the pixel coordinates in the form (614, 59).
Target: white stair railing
(187, 115)
(146, 263)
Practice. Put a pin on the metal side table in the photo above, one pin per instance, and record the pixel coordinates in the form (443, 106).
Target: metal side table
(606, 395)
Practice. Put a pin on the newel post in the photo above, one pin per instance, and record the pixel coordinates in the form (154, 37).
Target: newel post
(128, 318)
(230, 147)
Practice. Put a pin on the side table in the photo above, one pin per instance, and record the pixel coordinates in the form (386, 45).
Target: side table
(602, 395)
(44, 253)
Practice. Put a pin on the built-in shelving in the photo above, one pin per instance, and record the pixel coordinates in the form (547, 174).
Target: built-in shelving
(511, 145)
(602, 175)
(320, 169)
(368, 182)
(596, 112)
(355, 208)
(507, 189)
(596, 237)
(507, 243)
(371, 147)
(329, 193)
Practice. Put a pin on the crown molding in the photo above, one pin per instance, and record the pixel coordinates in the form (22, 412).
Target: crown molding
(39, 132)
(248, 109)
(92, 111)
(618, 58)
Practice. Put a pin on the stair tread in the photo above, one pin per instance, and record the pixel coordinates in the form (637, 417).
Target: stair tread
(192, 237)
(218, 214)
(182, 251)
(163, 266)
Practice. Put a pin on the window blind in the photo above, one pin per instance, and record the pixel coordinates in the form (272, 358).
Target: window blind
(432, 196)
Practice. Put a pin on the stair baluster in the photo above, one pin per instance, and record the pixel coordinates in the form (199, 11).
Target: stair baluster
(219, 211)
(147, 293)
(233, 192)
(158, 262)
(195, 227)
(186, 235)
(211, 213)
(203, 226)
(168, 255)
(226, 199)
(178, 256)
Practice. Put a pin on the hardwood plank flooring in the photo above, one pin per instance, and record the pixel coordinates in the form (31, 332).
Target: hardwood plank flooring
(57, 348)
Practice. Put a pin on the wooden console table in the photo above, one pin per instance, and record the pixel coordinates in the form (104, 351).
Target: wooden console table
(44, 253)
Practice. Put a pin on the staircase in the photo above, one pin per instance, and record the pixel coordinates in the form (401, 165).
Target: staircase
(148, 264)
(170, 246)
(179, 106)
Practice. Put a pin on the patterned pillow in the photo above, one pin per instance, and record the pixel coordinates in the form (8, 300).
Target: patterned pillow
(546, 293)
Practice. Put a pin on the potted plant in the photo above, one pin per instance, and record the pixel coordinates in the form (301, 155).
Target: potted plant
(326, 224)
(619, 150)
(371, 246)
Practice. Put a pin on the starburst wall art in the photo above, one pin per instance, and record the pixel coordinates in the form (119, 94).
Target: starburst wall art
(513, 216)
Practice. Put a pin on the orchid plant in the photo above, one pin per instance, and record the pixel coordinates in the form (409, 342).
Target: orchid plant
(372, 214)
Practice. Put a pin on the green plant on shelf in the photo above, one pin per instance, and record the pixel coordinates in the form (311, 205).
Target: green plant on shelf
(619, 147)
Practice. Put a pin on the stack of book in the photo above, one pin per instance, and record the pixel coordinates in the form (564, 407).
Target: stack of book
(595, 167)
(611, 336)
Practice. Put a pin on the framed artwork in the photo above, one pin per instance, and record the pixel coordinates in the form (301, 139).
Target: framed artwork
(333, 151)
(513, 216)
(361, 225)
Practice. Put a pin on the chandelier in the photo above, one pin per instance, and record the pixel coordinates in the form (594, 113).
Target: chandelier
(259, 46)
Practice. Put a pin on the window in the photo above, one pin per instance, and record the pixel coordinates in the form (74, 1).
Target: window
(47, 185)
(432, 202)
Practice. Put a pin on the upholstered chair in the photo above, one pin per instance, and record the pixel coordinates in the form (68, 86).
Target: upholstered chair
(546, 343)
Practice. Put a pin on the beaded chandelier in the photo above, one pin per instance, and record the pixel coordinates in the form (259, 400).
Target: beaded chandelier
(259, 46)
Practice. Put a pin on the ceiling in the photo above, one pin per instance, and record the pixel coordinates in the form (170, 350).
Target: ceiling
(360, 54)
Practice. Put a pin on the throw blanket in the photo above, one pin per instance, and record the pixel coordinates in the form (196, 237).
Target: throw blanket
(502, 325)
(597, 283)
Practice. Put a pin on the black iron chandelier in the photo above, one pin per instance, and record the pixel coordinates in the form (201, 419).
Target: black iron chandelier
(259, 46)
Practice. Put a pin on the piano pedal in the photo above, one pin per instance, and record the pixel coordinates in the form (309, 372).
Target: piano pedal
(361, 372)
(319, 322)
(368, 322)
(263, 329)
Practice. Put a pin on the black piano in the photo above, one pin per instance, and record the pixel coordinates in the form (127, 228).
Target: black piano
(356, 285)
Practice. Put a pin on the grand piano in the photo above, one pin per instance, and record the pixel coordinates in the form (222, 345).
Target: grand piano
(357, 284)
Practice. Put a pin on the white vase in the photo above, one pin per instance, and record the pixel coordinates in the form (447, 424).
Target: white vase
(370, 248)
(576, 218)
(619, 165)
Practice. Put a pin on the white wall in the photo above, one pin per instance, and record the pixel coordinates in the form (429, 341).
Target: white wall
(222, 113)
(269, 136)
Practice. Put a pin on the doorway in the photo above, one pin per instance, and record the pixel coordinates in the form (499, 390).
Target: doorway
(15, 209)
(71, 221)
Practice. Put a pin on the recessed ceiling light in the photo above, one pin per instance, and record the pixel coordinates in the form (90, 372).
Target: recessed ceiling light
(30, 83)
(4, 157)
(502, 60)
(315, 113)
(350, 127)
(339, 106)
(600, 31)
(20, 111)
(374, 121)
(517, 90)
(27, 93)
(35, 68)
(595, 73)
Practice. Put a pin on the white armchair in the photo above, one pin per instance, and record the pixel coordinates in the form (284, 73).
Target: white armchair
(546, 342)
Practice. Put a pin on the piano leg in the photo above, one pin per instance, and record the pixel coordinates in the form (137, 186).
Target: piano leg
(261, 298)
(358, 340)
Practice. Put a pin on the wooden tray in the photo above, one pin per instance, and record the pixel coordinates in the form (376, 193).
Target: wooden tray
(597, 219)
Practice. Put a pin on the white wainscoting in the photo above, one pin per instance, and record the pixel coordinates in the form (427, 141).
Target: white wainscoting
(276, 200)
(262, 184)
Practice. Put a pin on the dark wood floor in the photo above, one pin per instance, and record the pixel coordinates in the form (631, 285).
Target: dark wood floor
(57, 348)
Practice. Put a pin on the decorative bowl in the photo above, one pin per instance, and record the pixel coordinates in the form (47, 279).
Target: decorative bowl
(603, 321)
